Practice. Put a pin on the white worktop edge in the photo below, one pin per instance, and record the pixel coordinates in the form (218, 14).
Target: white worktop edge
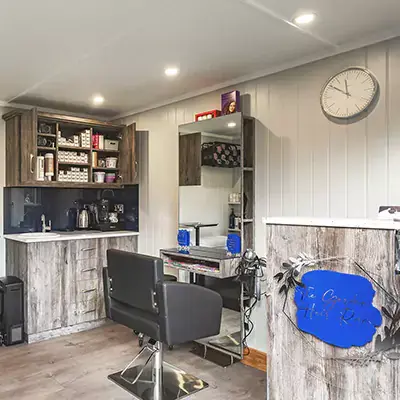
(71, 236)
(334, 222)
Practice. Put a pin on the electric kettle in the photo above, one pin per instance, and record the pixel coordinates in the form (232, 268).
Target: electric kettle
(83, 219)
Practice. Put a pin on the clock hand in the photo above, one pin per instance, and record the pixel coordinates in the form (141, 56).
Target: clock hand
(347, 88)
(340, 90)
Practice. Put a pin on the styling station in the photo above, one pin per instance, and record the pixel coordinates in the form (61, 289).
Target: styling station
(200, 200)
(217, 162)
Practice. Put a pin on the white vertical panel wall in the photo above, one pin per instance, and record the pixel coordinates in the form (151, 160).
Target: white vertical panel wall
(2, 183)
(305, 164)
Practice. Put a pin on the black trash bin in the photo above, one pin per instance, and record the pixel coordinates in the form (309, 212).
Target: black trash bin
(11, 311)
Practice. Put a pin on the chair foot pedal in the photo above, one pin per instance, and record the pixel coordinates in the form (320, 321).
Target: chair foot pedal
(177, 384)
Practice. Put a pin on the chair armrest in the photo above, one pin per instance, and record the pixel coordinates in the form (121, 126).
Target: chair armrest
(190, 312)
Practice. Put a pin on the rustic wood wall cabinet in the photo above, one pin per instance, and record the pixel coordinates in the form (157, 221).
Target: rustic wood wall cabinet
(22, 149)
(63, 282)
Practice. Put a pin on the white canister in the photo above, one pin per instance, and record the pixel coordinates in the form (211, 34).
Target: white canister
(111, 162)
(99, 177)
(101, 142)
(40, 168)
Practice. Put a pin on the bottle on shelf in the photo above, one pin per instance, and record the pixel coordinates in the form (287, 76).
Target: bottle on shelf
(49, 166)
(232, 218)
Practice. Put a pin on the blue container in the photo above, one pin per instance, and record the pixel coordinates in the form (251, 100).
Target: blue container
(233, 243)
(183, 240)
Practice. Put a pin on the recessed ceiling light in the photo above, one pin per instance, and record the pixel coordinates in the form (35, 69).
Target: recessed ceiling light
(304, 19)
(98, 100)
(171, 71)
(231, 124)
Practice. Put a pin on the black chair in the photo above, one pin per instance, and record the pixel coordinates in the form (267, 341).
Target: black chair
(169, 313)
(140, 335)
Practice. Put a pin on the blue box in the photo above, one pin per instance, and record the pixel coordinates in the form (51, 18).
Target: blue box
(234, 243)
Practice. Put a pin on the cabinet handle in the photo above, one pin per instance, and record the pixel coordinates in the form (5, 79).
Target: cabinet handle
(31, 163)
(136, 170)
(89, 290)
(89, 311)
(89, 249)
(89, 269)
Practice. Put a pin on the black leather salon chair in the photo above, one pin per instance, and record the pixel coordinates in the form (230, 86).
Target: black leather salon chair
(140, 335)
(168, 312)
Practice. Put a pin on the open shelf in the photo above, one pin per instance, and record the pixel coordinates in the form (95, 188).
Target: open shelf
(80, 185)
(52, 135)
(106, 151)
(44, 148)
(74, 164)
(247, 220)
(104, 169)
(234, 203)
(217, 126)
(235, 230)
(66, 147)
(106, 185)
(248, 169)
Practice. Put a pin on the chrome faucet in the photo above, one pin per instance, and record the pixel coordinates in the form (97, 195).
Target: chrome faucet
(44, 227)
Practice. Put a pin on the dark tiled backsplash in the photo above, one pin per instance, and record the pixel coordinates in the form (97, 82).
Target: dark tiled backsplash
(24, 206)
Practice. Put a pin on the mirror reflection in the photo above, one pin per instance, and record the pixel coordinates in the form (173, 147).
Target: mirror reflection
(210, 208)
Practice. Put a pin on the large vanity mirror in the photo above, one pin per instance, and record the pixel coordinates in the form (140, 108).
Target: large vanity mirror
(216, 187)
(210, 179)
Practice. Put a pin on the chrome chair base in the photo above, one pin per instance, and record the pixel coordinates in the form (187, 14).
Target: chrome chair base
(155, 379)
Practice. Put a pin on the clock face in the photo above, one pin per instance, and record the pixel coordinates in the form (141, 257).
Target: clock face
(349, 93)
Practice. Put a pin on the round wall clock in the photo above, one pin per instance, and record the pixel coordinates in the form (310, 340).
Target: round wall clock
(349, 93)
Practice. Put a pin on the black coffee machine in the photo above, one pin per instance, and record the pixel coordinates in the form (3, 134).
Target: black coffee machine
(106, 218)
(11, 311)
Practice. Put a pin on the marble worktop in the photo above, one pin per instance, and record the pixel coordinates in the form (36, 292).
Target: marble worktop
(358, 223)
(76, 235)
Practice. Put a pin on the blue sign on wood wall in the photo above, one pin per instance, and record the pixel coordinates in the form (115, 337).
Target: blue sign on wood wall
(337, 308)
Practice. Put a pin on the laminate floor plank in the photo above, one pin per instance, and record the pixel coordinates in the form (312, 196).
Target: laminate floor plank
(76, 367)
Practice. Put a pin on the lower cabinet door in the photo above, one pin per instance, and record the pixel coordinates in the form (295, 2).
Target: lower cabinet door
(47, 303)
(125, 243)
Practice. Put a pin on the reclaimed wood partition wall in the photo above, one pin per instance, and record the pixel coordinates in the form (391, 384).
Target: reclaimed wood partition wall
(301, 366)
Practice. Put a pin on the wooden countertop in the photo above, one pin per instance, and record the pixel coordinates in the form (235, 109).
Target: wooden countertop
(357, 223)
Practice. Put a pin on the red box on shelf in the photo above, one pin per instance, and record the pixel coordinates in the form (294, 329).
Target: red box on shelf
(207, 115)
(95, 140)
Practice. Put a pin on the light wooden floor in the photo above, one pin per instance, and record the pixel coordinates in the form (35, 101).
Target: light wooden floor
(76, 367)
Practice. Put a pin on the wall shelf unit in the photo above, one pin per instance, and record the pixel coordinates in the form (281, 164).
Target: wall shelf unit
(30, 134)
(248, 182)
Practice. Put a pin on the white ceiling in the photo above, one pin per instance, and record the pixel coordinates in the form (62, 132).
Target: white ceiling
(57, 53)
